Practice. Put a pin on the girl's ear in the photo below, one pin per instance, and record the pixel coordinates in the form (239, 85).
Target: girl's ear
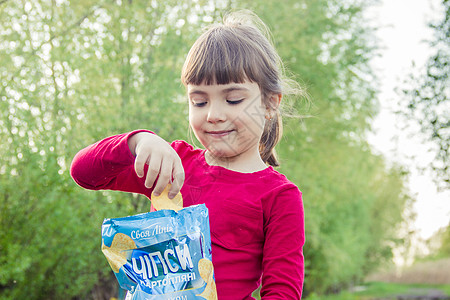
(274, 102)
(272, 105)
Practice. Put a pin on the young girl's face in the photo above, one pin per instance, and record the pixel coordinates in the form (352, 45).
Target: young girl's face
(228, 119)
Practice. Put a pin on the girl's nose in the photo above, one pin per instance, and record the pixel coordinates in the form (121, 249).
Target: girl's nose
(216, 113)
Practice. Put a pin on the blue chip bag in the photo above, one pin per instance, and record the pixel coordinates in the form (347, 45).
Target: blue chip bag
(162, 255)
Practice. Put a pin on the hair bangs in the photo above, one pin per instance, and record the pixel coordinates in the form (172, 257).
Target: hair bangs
(220, 57)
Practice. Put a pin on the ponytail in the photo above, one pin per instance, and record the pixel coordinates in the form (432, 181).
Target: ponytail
(272, 133)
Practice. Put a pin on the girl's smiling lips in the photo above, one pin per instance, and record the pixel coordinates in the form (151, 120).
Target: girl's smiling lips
(218, 133)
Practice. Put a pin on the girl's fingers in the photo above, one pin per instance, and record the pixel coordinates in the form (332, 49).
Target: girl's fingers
(164, 165)
(178, 179)
(139, 164)
(164, 177)
(154, 167)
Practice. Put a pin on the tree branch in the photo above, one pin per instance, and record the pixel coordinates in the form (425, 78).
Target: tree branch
(76, 24)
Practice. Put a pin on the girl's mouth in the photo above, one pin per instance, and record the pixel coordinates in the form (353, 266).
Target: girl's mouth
(219, 133)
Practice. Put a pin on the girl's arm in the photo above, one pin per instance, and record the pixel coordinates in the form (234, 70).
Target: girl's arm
(139, 162)
(283, 262)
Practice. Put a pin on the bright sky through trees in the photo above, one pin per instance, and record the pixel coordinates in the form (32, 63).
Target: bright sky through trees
(403, 34)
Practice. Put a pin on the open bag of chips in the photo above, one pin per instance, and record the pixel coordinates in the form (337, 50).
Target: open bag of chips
(164, 254)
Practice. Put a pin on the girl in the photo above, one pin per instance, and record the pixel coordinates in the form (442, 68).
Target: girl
(234, 84)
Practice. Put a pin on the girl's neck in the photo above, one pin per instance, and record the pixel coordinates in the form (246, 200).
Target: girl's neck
(236, 163)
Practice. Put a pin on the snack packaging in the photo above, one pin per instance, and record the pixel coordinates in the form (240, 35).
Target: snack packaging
(164, 254)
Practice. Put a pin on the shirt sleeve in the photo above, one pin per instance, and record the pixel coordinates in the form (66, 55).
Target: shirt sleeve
(283, 261)
(108, 164)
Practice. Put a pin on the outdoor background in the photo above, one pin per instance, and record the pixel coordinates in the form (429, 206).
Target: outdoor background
(73, 72)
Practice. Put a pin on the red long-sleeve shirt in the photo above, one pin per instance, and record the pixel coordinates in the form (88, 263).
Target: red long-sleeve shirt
(256, 219)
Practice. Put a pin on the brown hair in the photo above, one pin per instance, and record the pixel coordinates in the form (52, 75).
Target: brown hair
(237, 50)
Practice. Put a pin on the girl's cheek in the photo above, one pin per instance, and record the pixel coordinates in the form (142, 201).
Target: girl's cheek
(194, 121)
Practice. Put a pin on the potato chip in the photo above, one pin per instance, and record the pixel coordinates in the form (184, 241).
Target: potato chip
(115, 255)
(163, 202)
(123, 242)
(115, 259)
(206, 271)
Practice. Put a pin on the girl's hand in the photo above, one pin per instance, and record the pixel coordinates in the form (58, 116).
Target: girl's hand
(164, 164)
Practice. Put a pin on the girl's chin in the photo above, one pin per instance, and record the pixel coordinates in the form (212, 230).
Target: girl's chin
(220, 153)
(220, 146)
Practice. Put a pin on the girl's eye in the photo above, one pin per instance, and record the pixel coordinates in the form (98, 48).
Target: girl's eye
(198, 103)
(234, 102)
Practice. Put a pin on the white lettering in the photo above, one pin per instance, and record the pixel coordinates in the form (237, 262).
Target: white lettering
(165, 281)
(182, 297)
(107, 230)
(162, 229)
(172, 268)
(184, 256)
(163, 263)
(142, 270)
(149, 268)
(137, 234)
(190, 276)
(147, 265)
(154, 267)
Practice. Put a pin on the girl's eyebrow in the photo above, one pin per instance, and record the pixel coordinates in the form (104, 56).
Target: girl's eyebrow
(235, 88)
(198, 92)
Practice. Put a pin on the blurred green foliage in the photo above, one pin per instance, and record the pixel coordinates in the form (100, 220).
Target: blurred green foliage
(428, 99)
(75, 72)
(439, 245)
(444, 250)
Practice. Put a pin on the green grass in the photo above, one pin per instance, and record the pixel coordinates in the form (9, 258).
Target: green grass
(341, 296)
(381, 290)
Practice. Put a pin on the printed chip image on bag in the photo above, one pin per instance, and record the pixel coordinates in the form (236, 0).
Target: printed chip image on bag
(164, 254)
